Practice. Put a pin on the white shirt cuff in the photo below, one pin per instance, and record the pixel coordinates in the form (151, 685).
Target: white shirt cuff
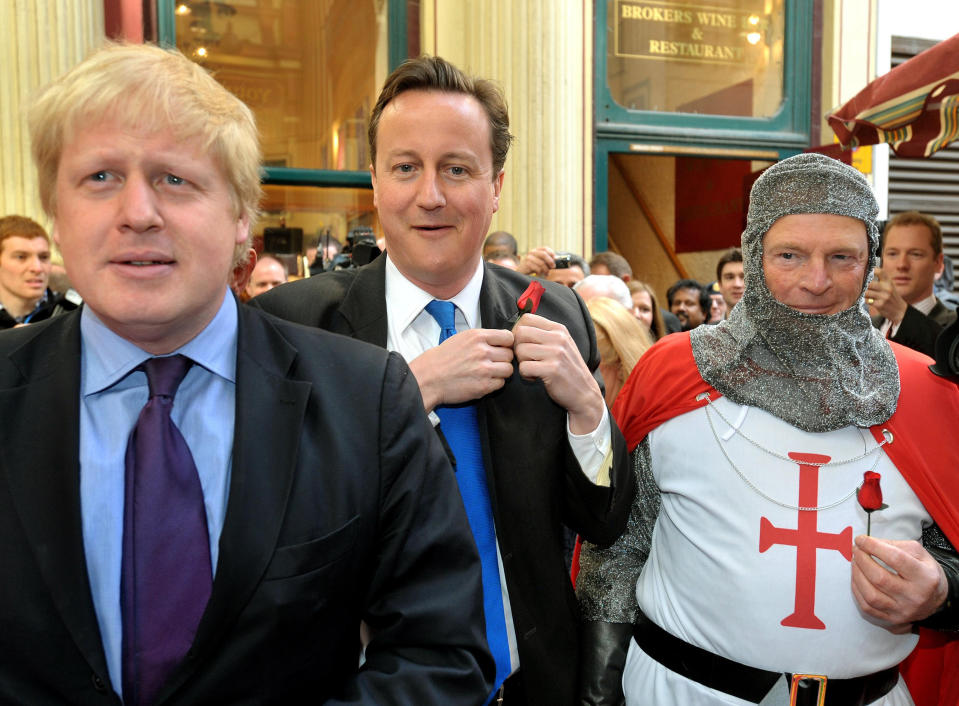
(592, 449)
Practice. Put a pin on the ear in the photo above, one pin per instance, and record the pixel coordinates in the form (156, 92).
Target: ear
(373, 179)
(497, 188)
(940, 263)
(242, 229)
(55, 234)
(242, 272)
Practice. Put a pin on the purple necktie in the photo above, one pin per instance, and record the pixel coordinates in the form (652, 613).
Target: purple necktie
(166, 576)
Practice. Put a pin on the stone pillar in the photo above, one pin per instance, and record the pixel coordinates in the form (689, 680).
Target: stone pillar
(540, 52)
(44, 38)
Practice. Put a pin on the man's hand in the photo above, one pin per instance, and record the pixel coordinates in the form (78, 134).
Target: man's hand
(537, 261)
(882, 296)
(464, 367)
(914, 589)
(546, 352)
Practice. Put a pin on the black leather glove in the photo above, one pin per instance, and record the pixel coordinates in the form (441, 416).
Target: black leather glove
(947, 617)
(602, 658)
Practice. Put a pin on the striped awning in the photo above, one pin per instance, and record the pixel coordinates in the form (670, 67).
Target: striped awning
(914, 108)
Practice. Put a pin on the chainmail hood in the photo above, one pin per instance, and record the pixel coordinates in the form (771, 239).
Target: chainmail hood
(818, 372)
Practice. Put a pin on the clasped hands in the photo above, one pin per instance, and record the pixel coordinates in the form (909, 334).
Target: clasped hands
(476, 362)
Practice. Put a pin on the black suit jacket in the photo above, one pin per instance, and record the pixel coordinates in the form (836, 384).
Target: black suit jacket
(535, 482)
(919, 331)
(342, 507)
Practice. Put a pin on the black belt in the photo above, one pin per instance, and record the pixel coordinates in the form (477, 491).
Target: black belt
(750, 683)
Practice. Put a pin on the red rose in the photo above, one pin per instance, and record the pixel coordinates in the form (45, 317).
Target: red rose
(528, 301)
(869, 493)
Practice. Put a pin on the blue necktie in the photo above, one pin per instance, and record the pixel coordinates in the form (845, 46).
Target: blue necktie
(462, 434)
(166, 575)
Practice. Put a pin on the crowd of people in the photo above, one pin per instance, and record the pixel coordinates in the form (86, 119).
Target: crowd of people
(359, 487)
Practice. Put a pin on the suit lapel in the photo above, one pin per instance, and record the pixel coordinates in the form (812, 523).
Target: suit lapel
(364, 306)
(497, 305)
(497, 302)
(44, 477)
(270, 407)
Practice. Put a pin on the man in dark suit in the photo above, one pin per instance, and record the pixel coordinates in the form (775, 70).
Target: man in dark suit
(550, 454)
(901, 292)
(307, 491)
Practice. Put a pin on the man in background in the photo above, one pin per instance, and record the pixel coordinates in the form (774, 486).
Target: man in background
(24, 273)
(608, 286)
(730, 278)
(569, 269)
(499, 240)
(689, 302)
(908, 312)
(611, 263)
(267, 274)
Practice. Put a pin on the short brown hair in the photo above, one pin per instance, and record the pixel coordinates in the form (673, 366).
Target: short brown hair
(21, 226)
(731, 255)
(614, 262)
(432, 73)
(915, 218)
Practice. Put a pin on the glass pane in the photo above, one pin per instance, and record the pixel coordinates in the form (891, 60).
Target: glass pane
(309, 69)
(321, 213)
(721, 58)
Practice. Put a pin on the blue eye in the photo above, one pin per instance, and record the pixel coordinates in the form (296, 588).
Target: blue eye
(457, 171)
(405, 168)
(99, 176)
(174, 180)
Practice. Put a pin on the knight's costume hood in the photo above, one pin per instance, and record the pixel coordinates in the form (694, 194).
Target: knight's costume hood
(818, 372)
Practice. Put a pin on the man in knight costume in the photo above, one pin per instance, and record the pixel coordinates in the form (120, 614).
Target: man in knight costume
(745, 575)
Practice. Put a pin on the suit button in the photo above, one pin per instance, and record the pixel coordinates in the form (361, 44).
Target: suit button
(98, 683)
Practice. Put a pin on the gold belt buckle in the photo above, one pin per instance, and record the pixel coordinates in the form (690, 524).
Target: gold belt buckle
(794, 693)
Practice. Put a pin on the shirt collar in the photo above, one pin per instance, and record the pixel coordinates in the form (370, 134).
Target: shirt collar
(405, 301)
(926, 305)
(107, 358)
(40, 302)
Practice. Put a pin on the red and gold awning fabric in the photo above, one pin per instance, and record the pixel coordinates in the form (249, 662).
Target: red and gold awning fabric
(914, 108)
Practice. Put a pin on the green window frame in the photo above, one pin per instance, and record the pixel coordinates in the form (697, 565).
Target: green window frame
(396, 53)
(621, 130)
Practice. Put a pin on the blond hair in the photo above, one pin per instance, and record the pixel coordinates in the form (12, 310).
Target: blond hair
(620, 337)
(148, 88)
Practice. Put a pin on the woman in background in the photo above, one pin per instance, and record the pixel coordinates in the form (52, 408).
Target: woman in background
(646, 309)
(621, 340)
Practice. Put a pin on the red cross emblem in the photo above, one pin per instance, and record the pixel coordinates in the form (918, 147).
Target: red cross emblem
(807, 539)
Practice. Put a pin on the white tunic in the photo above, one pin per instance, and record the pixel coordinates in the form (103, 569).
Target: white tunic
(724, 571)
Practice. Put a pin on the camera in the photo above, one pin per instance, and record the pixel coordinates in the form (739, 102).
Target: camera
(360, 249)
(562, 262)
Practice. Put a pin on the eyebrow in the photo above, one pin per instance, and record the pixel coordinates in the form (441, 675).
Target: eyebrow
(445, 157)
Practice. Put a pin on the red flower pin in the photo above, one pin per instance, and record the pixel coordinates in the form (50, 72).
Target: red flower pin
(528, 301)
(869, 496)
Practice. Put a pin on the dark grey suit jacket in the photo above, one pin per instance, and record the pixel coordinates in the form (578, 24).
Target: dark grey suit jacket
(919, 331)
(342, 507)
(536, 484)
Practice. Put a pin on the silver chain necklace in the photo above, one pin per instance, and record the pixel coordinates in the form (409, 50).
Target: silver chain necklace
(886, 439)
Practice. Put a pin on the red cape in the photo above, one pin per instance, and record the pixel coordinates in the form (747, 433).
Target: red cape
(666, 382)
